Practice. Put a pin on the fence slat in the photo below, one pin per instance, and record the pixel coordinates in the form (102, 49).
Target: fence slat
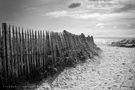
(30, 52)
(41, 48)
(23, 52)
(43, 39)
(4, 62)
(1, 55)
(10, 52)
(17, 52)
(20, 52)
(13, 53)
(36, 49)
(27, 53)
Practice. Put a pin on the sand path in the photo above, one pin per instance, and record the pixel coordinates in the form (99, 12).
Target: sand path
(115, 71)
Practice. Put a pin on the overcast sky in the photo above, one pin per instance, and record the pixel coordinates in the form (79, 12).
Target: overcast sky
(101, 18)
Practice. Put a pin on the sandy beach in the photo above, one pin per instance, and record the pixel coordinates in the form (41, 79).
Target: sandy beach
(113, 70)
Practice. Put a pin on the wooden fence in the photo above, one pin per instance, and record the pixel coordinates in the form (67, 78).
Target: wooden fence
(23, 51)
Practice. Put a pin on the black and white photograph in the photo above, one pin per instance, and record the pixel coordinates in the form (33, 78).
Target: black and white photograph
(67, 44)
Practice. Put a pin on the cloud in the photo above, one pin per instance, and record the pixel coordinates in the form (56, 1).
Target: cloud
(115, 25)
(74, 5)
(86, 14)
(82, 14)
(100, 10)
(125, 7)
(57, 13)
(100, 24)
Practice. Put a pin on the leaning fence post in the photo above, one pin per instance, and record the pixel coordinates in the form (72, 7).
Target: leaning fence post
(0, 57)
(4, 46)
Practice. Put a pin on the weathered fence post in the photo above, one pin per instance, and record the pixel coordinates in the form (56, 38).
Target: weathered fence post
(4, 46)
(0, 57)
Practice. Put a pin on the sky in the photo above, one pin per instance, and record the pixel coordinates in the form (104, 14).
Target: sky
(100, 18)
